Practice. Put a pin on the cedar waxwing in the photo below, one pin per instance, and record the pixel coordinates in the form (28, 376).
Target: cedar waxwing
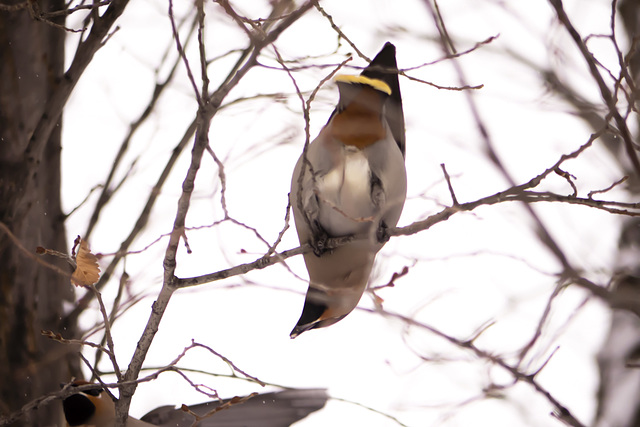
(351, 182)
(279, 409)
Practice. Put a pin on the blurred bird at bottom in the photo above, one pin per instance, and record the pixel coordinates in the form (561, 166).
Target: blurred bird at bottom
(278, 409)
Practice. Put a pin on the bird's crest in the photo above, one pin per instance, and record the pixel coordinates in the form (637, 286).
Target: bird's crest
(376, 84)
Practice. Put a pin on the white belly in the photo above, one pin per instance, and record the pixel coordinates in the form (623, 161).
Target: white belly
(345, 196)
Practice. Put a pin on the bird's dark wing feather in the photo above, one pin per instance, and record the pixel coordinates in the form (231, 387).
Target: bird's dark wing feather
(278, 409)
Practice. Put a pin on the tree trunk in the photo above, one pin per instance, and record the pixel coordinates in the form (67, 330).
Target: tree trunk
(31, 295)
(619, 393)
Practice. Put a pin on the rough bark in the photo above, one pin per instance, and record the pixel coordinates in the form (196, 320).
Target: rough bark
(31, 296)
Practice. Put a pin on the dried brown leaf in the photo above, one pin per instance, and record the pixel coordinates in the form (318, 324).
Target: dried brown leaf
(87, 271)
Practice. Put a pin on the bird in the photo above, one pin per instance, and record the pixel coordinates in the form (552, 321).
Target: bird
(351, 181)
(277, 409)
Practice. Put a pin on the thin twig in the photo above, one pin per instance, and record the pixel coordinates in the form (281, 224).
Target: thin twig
(87, 47)
(32, 254)
(449, 48)
(107, 192)
(182, 54)
(107, 332)
(140, 224)
(518, 375)
(605, 92)
(337, 29)
(448, 179)
(605, 190)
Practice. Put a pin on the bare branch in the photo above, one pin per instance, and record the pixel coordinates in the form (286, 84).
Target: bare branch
(448, 47)
(141, 222)
(159, 89)
(561, 410)
(605, 92)
(205, 114)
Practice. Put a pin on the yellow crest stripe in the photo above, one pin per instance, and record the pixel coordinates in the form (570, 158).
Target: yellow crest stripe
(376, 84)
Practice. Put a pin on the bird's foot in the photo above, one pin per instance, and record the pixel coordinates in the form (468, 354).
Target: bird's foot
(319, 241)
(382, 233)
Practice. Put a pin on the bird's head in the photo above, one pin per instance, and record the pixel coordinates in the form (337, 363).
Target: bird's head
(91, 406)
(323, 308)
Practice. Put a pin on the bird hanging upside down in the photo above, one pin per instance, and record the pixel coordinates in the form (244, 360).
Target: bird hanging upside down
(351, 182)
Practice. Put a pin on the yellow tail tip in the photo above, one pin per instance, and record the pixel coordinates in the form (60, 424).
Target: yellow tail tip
(376, 84)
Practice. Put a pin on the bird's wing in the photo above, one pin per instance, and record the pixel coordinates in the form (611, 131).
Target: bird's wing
(278, 409)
